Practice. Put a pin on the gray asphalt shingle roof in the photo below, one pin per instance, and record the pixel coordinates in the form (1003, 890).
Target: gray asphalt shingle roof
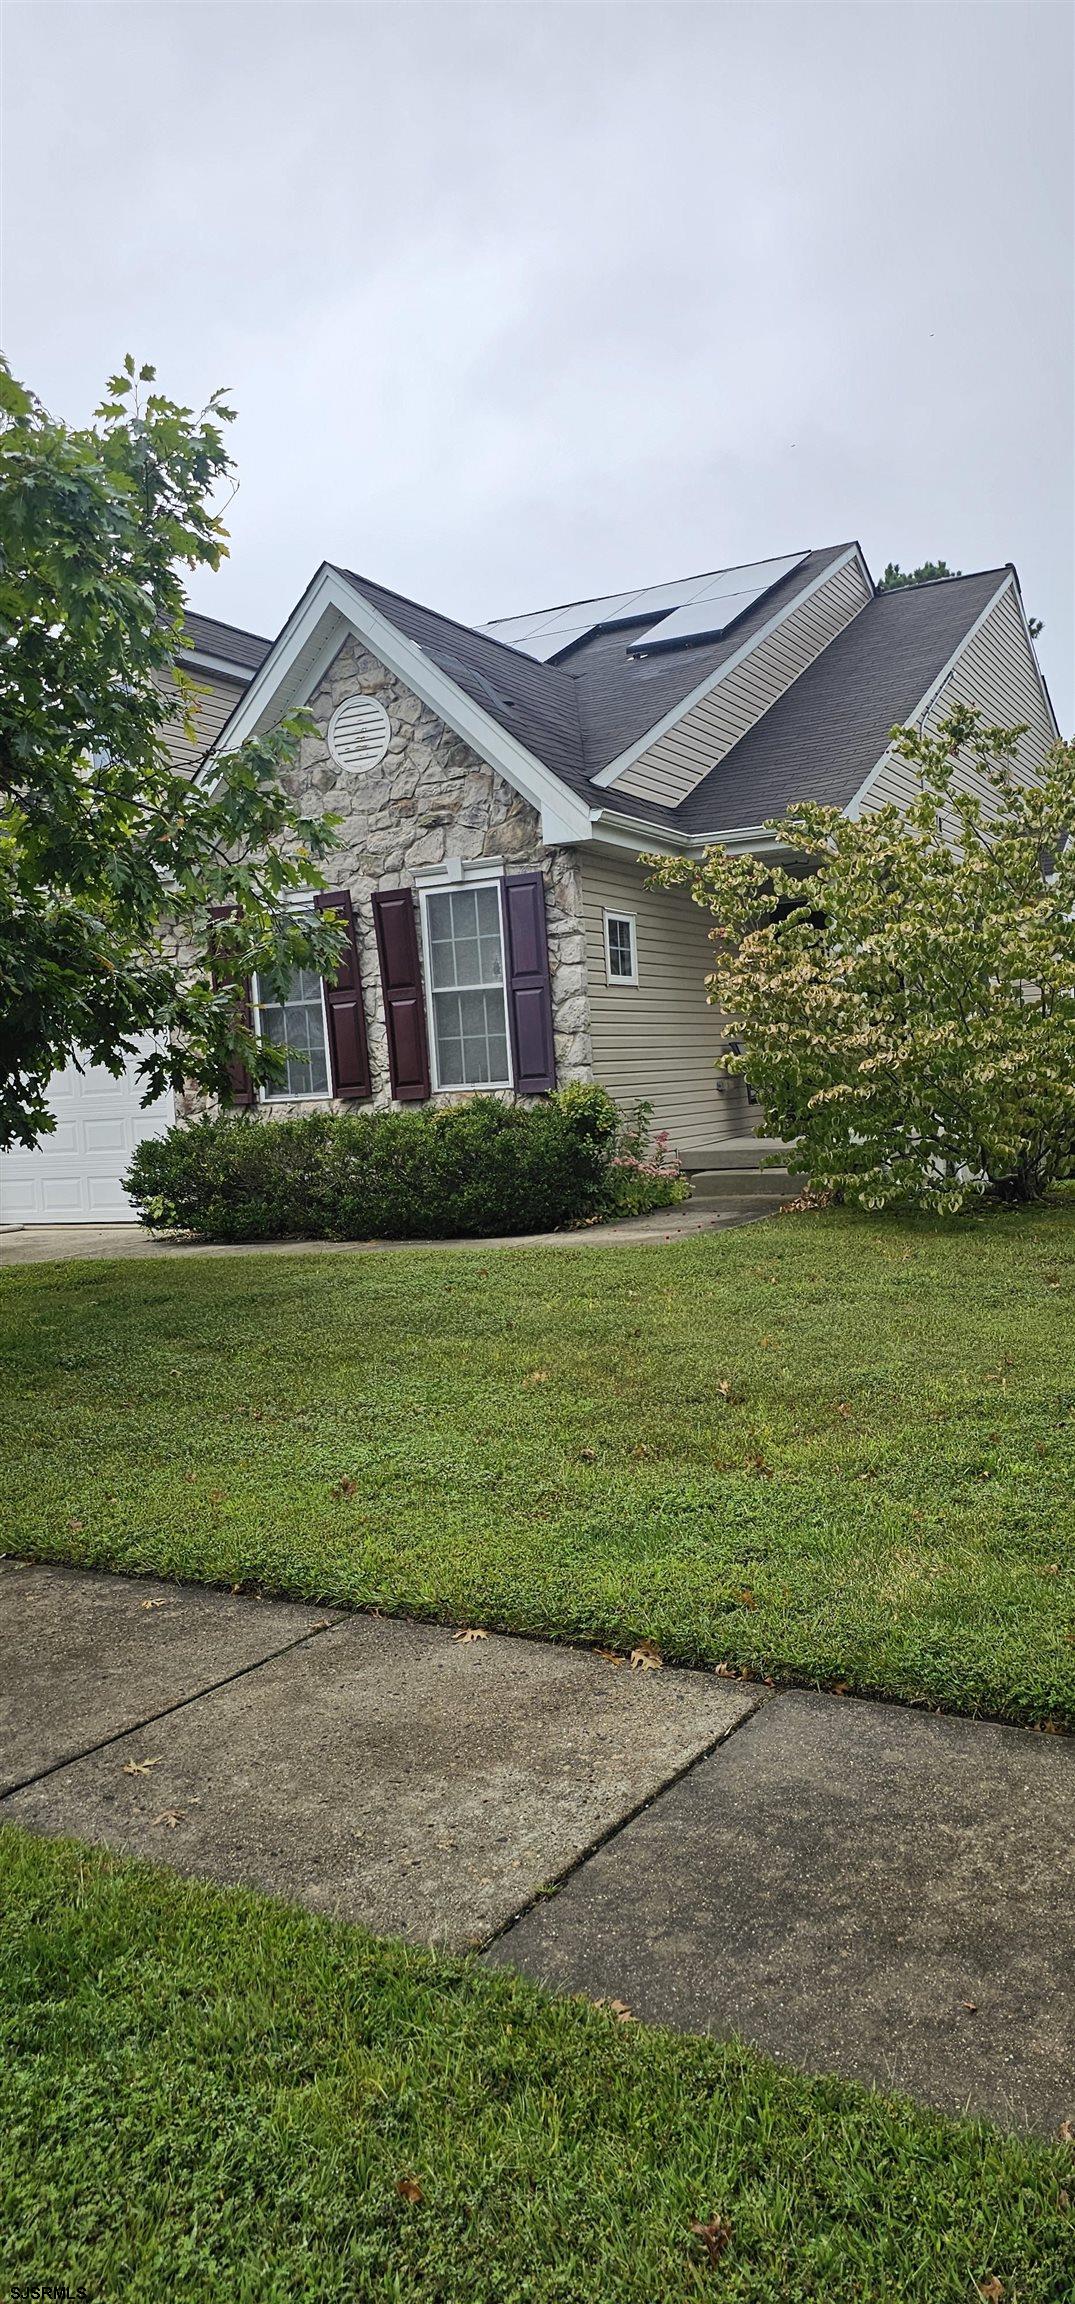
(206, 636)
(818, 742)
(823, 736)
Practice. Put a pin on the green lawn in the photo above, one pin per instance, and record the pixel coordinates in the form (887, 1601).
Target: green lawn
(207, 2095)
(824, 1447)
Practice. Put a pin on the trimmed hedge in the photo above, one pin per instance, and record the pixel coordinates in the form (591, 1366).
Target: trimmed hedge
(455, 1170)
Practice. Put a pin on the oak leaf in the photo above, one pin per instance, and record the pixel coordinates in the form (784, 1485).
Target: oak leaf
(714, 2235)
(646, 1657)
(409, 2189)
(470, 1633)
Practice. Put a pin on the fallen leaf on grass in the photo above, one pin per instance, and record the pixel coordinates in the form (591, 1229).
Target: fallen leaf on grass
(646, 1657)
(409, 2189)
(1066, 2132)
(75, 1525)
(141, 1767)
(587, 1455)
(537, 1376)
(714, 2236)
(471, 1633)
(619, 2009)
(758, 1464)
(992, 2290)
(746, 1598)
(346, 1487)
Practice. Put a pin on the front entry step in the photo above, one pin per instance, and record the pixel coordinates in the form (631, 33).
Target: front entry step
(768, 1187)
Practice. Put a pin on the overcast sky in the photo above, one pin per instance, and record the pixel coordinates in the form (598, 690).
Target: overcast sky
(525, 302)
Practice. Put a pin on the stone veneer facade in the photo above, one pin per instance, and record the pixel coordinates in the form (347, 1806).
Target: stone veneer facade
(430, 798)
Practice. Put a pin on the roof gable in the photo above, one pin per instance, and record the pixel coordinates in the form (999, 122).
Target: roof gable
(824, 736)
(548, 727)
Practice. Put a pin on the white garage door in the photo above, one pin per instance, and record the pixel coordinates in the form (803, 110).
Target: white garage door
(73, 1177)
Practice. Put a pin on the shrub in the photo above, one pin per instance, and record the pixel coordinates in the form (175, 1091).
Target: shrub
(907, 1010)
(463, 1169)
(642, 1175)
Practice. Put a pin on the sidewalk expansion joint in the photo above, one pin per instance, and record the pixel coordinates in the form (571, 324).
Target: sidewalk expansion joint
(552, 1887)
(182, 1704)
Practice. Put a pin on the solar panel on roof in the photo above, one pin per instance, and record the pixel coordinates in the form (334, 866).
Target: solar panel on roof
(694, 608)
(716, 605)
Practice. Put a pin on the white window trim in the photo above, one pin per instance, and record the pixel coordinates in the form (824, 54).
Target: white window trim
(267, 1095)
(441, 887)
(612, 978)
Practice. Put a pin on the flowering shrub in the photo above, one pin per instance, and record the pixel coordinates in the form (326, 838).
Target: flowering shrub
(907, 1010)
(641, 1176)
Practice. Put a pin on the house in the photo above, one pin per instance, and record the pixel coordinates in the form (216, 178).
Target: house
(497, 786)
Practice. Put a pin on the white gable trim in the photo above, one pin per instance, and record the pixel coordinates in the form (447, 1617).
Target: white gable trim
(314, 633)
(221, 667)
(855, 806)
(625, 760)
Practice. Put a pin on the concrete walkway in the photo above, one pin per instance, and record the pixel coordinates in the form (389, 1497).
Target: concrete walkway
(58, 1243)
(852, 1886)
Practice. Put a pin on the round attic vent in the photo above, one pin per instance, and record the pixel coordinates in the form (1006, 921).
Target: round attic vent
(359, 734)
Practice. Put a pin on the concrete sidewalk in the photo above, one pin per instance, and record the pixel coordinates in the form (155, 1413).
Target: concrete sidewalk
(60, 1243)
(851, 1886)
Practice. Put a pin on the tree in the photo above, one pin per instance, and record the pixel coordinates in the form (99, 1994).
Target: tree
(932, 572)
(905, 995)
(110, 860)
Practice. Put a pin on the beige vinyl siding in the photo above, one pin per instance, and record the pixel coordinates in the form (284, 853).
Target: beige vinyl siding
(214, 704)
(659, 1040)
(996, 671)
(679, 759)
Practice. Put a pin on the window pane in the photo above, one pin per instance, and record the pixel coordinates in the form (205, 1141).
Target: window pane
(472, 1040)
(466, 963)
(297, 1023)
(620, 948)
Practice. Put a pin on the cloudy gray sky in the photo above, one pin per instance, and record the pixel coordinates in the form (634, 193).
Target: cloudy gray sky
(525, 301)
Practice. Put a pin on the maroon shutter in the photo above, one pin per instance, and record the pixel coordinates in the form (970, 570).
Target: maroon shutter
(404, 1005)
(529, 984)
(348, 1052)
(241, 1086)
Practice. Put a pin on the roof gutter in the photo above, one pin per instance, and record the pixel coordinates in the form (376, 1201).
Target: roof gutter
(659, 839)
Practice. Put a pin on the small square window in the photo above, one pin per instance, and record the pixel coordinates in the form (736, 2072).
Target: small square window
(621, 959)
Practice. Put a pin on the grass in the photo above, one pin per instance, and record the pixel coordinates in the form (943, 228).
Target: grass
(204, 2094)
(827, 1448)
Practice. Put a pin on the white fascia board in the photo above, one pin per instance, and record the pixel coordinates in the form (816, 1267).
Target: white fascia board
(564, 819)
(1038, 673)
(853, 809)
(633, 835)
(625, 760)
(220, 666)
